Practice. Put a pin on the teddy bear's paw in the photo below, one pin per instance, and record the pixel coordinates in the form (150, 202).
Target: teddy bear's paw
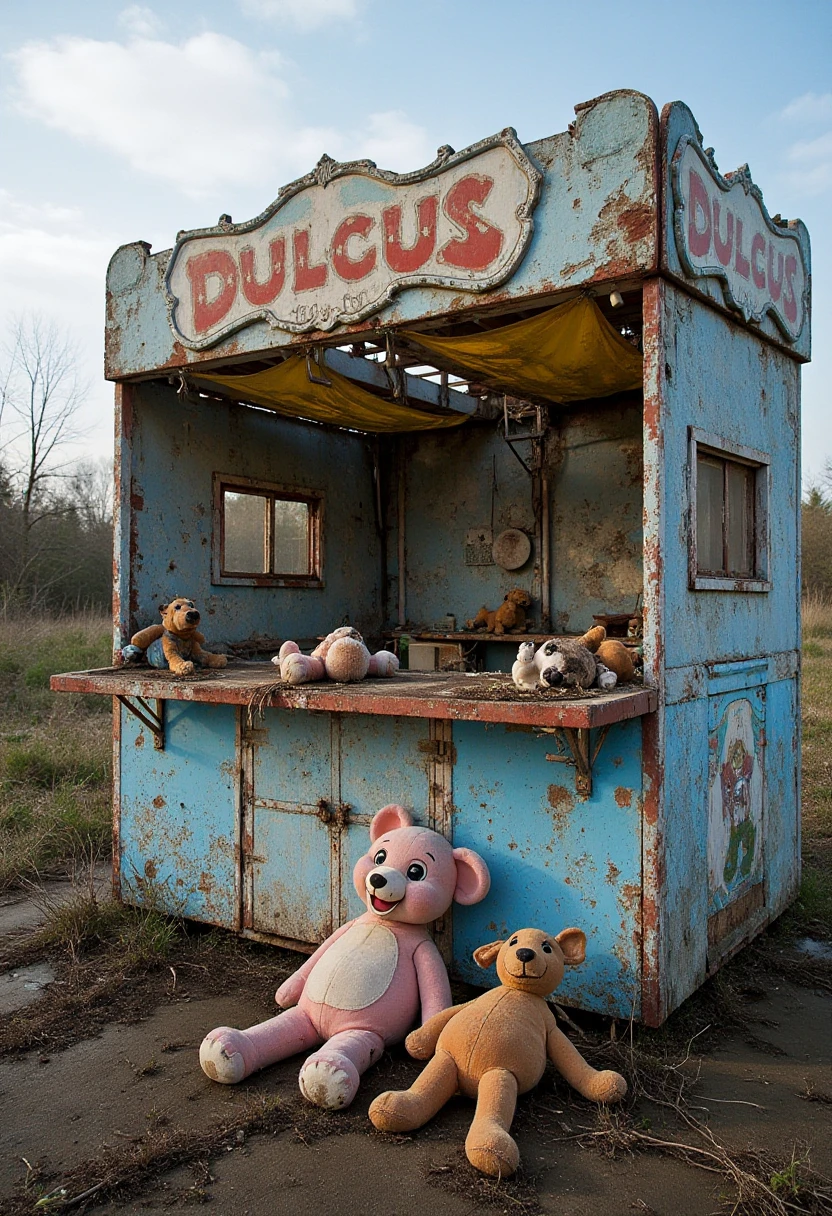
(492, 1151)
(132, 654)
(222, 1055)
(609, 1086)
(390, 1112)
(329, 1084)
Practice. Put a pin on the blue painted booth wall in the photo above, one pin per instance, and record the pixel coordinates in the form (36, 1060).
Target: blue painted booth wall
(722, 379)
(468, 479)
(177, 446)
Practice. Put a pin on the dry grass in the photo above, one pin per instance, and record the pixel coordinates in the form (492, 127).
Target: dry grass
(814, 907)
(54, 749)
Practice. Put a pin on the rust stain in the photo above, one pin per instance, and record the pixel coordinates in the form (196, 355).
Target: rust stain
(159, 802)
(623, 796)
(150, 870)
(559, 798)
(612, 873)
(139, 741)
(629, 896)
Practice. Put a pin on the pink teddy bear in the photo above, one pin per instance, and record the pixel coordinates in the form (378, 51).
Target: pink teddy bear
(365, 986)
(341, 656)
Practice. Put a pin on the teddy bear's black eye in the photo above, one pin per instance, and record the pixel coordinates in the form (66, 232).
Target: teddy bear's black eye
(416, 871)
(513, 941)
(176, 607)
(547, 949)
(380, 856)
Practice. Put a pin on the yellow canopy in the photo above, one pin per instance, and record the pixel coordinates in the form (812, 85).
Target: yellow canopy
(569, 353)
(287, 389)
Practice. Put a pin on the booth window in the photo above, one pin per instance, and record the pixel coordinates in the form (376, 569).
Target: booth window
(729, 546)
(266, 535)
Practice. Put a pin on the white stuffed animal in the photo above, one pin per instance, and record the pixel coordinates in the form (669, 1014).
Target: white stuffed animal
(524, 672)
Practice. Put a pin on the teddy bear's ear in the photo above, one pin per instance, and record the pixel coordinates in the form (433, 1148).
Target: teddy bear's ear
(573, 944)
(163, 609)
(388, 819)
(484, 955)
(472, 877)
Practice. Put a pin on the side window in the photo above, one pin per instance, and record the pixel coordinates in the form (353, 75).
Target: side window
(729, 543)
(266, 535)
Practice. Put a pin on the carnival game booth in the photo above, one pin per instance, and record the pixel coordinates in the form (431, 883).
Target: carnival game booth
(570, 366)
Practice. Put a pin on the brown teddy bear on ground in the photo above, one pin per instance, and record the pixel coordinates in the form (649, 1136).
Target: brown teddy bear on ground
(176, 643)
(496, 1047)
(510, 617)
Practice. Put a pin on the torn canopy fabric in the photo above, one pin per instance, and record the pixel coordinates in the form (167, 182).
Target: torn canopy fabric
(288, 389)
(569, 353)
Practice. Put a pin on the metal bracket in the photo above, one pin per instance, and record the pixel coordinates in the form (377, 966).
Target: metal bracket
(581, 753)
(154, 720)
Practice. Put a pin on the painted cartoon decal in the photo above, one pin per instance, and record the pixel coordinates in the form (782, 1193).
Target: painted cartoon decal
(735, 797)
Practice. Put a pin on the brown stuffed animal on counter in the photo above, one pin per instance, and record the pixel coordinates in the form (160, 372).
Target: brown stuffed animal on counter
(613, 654)
(496, 1047)
(176, 643)
(510, 617)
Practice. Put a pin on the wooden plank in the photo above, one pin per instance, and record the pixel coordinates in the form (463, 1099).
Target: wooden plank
(412, 694)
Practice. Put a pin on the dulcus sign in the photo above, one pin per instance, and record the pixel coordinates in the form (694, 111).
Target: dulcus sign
(339, 243)
(723, 230)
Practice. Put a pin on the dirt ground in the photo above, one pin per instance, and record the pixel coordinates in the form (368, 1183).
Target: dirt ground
(104, 1105)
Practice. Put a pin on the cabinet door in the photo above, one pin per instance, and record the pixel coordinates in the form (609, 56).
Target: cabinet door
(289, 845)
(382, 760)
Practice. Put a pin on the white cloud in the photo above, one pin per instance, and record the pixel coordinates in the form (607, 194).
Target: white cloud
(394, 142)
(812, 160)
(140, 21)
(810, 157)
(810, 108)
(53, 262)
(303, 14)
(202, 114)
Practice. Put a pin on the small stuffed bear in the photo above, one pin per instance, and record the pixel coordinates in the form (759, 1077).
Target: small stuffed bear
(613, 654)
(176, 643)
(368, 983)
(510, 617)
(341, 656)
(495, 1047)
(569, 663)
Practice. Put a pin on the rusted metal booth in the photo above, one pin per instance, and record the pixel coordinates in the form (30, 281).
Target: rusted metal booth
(662, 817)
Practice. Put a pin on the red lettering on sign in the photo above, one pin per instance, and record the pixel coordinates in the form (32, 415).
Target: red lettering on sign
(263, 293)
(345, 266)
(789, 298)
(699, 239)
(775, 285)
(212, 265)
(741, 263)
(307, 277)
(482, 241)
(406, 261)
(758, 247)
(723, 248)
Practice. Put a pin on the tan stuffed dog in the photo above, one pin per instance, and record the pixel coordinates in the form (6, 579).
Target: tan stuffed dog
(510, 617)
(496, 1047)
(176, 643)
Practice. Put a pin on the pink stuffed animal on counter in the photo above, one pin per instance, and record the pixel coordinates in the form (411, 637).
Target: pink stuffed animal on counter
(341, 656)
(365, 987)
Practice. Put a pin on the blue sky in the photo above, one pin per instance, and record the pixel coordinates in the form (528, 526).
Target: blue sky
(132, 121)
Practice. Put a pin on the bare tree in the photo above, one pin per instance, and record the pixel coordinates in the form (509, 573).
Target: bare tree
(40, 396)
(90, 490)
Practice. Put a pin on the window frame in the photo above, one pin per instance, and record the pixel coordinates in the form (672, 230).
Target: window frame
(272, 491)
(707, 444)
